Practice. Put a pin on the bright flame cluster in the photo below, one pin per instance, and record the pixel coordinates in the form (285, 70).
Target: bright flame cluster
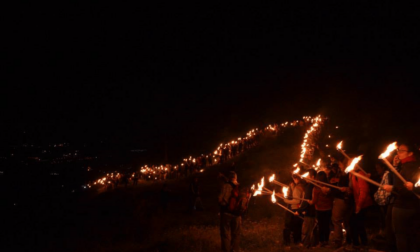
(154, 171)
(308, 133)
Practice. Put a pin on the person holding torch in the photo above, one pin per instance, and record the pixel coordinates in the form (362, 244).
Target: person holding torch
(406, 207)
(308, 211)
(292, 222)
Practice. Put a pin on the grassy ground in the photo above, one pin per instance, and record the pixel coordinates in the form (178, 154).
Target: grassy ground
(132, 219)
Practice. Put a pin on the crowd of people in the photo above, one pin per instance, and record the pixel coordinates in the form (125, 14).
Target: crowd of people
(330, 203)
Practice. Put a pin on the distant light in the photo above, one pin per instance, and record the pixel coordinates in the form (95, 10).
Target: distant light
(326, 145)
(336, 127)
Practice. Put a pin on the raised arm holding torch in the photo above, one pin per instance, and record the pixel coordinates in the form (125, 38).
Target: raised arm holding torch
(274, 200)
(350, 169)
(384, 156)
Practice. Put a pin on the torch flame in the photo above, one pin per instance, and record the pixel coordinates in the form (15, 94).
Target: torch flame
(418, 183)
(296, 170)
(318, 163)
(260, 187)
(273, 197)
(252, 187)
(388, 151)
(339, 145)
(295, 165)
(353, 163)
(285, 191)
(271, 179)
(305, 175)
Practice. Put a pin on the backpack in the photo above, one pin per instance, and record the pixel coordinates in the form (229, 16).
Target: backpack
(238, 200)
(381, 196)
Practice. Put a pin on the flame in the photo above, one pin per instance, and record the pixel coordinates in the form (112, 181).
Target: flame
(295, 165)
(318, 163)
(388, 151)
(339, 145)
(285, 191)
(273, 197)
(202, 170)
(260, 187)
(353, 163)
(418, 183)
(271, 179)
(252, 187)
(296, 170)
(305, 175)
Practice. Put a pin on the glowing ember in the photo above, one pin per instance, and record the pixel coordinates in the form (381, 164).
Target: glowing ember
(339, 145)
(285, 191)
(271, 179)
(388, 151)
(273, 197)
(353, 163)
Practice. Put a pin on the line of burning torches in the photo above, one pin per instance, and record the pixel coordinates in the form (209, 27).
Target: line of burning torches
(261, 190)
(154, 170)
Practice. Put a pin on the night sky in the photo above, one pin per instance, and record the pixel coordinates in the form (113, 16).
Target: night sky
(144, 73)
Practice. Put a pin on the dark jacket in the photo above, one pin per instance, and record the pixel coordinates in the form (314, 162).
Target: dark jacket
(306, 208)
(410, 171)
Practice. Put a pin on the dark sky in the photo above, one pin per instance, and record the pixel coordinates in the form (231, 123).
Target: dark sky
(142, 72)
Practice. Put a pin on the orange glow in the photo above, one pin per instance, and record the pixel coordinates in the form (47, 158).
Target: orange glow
(388, 151)
(273, 197)
(271, 179)
(339, 145)
(305, 175)
(296, 170)
(353, 164)
(418, 183)
(285, 191)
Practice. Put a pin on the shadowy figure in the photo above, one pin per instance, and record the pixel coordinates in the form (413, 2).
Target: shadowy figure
(195, 195)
